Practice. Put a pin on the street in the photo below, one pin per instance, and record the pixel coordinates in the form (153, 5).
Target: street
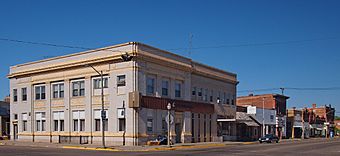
(311, 147)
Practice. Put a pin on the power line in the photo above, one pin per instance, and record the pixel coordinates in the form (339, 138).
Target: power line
(291, 88)
(261, 44)
(54, 45)
(203, 47)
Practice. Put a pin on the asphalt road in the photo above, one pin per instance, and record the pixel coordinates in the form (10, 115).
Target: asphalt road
(298, 148)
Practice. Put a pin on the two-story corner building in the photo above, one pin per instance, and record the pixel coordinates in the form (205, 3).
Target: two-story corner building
(59, 99)
(269, 101)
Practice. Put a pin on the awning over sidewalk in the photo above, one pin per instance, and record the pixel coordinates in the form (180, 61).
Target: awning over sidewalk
(242, 117)
(226, 120)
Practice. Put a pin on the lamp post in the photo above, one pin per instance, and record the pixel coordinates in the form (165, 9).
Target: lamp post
(169, 108)
(103, 115)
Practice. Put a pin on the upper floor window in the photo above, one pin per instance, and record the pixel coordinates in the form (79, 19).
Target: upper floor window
(228, 99)
(224, 97)
(200, 92)
(165, 88)
(15, 95)
(78, 88)
(98, 83)
(212, 96)
(40, 93)
(24, 94)
(233, 100)
(272, 118)
(205, 98)
(58, 90)
(193, 93)
(178, 88)
(121, 80)
(150, 85)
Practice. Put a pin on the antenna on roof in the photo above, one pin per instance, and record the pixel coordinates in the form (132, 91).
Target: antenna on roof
(190, 44)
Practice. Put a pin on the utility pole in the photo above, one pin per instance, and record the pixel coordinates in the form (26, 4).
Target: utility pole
(282, 90)
(263, 127)
(303, 124)
(103, 115)
(190, 44)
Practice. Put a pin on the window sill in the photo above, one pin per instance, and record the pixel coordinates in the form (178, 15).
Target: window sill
(43, 100)
(57, 99)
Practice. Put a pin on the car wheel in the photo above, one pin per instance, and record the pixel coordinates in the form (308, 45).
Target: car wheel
(277, 141)
(260, 142)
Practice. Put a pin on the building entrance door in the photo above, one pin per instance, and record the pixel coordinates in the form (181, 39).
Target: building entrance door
(15, 131)
(178, 131)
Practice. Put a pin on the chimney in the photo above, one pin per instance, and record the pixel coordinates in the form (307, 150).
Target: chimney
(314, 105)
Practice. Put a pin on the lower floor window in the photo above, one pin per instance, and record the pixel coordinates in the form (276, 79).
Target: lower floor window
(58, 125)
(40, 121)
(24, 125)
(121, 124)
(149, 124)
(98, 121)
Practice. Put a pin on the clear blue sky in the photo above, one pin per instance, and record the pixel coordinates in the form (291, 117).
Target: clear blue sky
(167, 25)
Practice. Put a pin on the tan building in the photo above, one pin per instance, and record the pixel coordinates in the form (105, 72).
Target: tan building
(58, 99)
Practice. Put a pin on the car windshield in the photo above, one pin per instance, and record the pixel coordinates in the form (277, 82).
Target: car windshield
(268, 135)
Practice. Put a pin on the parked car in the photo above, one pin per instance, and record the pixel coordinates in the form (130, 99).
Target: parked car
(161, 140)
(269, 138)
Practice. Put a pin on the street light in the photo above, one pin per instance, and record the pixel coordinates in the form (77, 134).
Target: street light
(169, 106)
(103, 115)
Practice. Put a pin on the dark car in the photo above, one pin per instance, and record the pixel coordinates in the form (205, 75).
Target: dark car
(269, 138)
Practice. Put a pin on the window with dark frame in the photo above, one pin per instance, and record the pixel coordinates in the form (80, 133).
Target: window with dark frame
(121, 81)
(165, 88)
(24, 94)
(58, 90)
(24, 122)
(15, 95)
(40, 93)
(150, 85)
(78, 88)
(178, 88)
(122, 123)
(97, 83)
(149, 125)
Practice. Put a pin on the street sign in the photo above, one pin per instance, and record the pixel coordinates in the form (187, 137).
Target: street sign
(171, 119)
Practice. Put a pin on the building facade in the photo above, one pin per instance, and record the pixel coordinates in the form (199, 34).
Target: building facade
(321, 120)
(4, 119)
(59, 99)
(267, 118)
(269, 101)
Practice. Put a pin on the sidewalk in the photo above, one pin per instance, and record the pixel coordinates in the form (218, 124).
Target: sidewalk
(183, 146)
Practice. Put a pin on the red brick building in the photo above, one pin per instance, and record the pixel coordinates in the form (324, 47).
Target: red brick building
(269, 101)
(321, 120)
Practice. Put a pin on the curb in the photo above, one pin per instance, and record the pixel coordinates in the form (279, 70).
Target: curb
(90, 148)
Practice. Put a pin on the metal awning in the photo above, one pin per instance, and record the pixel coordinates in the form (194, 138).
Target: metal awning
(251, 124)
(226, 120)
